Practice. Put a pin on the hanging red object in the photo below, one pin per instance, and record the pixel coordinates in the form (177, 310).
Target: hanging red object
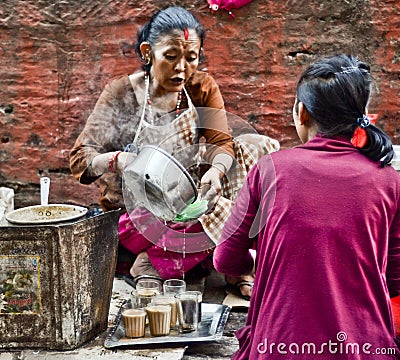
(373, 118)
(227, 5)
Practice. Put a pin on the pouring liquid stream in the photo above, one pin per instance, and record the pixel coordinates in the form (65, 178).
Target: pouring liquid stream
(165, 223)
(184, 251)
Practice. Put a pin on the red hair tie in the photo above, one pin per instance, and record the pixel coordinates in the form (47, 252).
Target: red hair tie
(360, 137)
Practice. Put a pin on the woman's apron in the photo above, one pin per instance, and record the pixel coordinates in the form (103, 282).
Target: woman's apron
(174, 248)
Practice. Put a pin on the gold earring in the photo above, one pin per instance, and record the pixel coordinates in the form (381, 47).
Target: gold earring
(147, 59)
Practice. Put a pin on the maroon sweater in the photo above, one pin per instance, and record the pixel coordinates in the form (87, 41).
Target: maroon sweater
(326, 223)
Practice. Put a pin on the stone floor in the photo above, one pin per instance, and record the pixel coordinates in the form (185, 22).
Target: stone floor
(214, 292)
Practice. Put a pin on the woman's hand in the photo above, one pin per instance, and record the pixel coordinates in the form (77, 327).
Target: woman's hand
(123, 160)
(210, 186)
(101, 163)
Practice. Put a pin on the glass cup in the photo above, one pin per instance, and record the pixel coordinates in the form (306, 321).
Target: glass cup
(134, 322)
(167, 299)
(188, 309)
(146, 289)
(159, 319)
(199, 301)
(174, 286)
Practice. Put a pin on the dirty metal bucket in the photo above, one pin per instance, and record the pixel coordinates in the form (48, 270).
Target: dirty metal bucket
(56, 281)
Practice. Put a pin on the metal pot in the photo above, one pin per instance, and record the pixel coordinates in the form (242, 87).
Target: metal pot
(46, 214)
(159, 182)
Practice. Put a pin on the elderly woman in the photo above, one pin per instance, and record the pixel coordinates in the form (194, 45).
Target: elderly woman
(138, 107)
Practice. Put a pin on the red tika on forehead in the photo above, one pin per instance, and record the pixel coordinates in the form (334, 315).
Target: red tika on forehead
(186, 33)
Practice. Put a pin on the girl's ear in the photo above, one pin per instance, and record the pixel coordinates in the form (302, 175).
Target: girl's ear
(145, 49)
(304, 116)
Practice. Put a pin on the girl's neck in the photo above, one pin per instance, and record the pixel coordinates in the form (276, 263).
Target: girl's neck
(312, 132)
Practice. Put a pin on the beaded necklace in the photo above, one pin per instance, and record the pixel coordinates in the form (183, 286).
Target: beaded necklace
(148, 103)
(148, 99)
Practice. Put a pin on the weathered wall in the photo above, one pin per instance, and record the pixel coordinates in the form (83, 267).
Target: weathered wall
(56, 56)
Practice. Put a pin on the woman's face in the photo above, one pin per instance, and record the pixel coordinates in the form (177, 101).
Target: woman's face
(174, 60)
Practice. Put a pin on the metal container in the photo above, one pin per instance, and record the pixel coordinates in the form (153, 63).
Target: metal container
(159, 182)
(45, 214)
(56, 281)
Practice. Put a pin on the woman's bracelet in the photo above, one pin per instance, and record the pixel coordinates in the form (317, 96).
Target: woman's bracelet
(112, 161)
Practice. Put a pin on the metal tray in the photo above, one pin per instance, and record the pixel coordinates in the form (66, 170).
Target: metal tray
(213, 320)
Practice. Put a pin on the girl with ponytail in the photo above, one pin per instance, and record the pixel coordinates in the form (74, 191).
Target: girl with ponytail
(335, 93)
(324, 218)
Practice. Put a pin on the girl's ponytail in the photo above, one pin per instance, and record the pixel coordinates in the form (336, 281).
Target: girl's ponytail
(379, 146)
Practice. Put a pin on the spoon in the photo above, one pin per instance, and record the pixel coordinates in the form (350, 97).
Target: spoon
(44, 190)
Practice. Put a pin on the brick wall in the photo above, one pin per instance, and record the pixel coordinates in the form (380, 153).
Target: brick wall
(56, 57)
